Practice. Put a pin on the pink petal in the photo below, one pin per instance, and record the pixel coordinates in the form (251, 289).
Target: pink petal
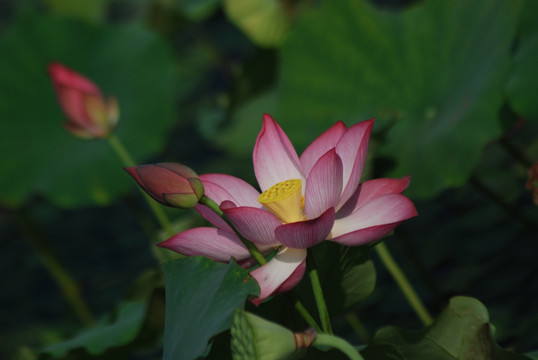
(353, 148)
(294, 279)
(371, 189)
(280, 274)
(212, 217)
(216, 244)
(365, 236)
(321, 145)
(275, 159)
(383, 210)
(304, 234)
(256, 225)
(159, 179)
(73, 104)
(221, 187)
(323, 185)
(63, 76)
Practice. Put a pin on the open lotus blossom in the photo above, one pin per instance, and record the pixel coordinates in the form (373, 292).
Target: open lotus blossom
(89, 116)
(305, 200)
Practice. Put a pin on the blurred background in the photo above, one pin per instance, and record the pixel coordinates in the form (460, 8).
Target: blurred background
(453, 86)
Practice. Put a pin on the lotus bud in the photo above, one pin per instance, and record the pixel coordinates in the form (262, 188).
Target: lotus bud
(170, 184)
(89, 116)
(254, 338)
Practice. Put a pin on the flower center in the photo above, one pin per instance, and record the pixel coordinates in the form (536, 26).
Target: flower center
(284, 200)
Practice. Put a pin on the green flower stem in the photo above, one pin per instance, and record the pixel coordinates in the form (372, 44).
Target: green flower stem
(327, 340)
(403, 283)
(256, 254)
(306, 315)
(318, 295)
(357, 326)
(128, 161)
(65, 282)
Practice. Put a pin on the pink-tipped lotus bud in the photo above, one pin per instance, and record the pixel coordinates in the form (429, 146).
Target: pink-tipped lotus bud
(89, 116)
(170, 184)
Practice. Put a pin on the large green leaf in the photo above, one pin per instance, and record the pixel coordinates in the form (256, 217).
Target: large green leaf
(107, 334)
(523, 85)
(201, 296)
(437, 70)
(347, 275)
(39, 156)
(135, 322)
(462, 331)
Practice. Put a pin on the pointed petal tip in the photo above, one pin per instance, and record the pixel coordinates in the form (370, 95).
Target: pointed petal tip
(274, 156)
(406, 180)
(131, 170)
(369, 126)
(55, 68)
(267, 117)
(218, 245)
(340, 123)
(163, 244)
(166, 244)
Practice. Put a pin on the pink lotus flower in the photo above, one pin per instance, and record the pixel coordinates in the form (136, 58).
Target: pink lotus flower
(170, 184)
(304, 200)
(89, 116)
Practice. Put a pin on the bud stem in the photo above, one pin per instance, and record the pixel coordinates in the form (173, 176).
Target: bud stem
(256, 254)
(404, 284)
(157, 210)
(324, 340)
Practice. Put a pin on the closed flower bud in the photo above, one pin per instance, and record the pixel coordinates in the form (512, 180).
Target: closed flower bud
(170, 184)
(89, 116)
(254, 338)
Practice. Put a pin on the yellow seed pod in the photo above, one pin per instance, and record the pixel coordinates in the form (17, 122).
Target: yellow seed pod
(285, 200)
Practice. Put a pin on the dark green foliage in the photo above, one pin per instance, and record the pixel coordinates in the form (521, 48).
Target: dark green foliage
(201, 296)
